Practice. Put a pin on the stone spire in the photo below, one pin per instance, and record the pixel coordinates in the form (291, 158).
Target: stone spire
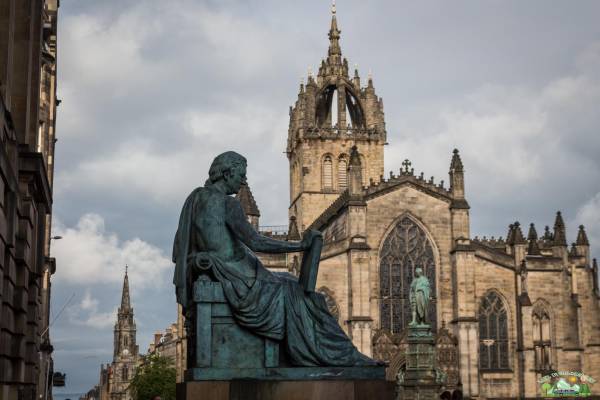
(582, 239)
(246, 198)
(532, 237)
(335, 51)
(249, 206)
(560, 236)
(456, 164)
(125, 300)
(510, 235)
(515, 235)
(547, 234)
(457, 180)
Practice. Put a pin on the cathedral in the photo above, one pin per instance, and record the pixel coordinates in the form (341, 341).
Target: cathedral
(115, 377)
(505, 311)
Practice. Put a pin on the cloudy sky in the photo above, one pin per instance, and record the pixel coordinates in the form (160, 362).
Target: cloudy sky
(152, 90)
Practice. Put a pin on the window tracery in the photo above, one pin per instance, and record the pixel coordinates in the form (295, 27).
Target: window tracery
(405, 248)
(493, 333)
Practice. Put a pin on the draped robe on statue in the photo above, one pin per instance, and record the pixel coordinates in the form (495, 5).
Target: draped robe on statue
(270, 304)
(419, 297)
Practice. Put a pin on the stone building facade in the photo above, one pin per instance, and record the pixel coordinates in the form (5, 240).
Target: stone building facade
(166, 344)
(505, 311)
(116, 376)
(28, 40)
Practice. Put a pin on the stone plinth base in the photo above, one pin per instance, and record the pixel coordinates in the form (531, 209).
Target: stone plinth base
(287, 390)
(421, 380)
(286, 374)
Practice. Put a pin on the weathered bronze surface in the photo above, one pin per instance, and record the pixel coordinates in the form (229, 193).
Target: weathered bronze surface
(216, 243)
(419, 299)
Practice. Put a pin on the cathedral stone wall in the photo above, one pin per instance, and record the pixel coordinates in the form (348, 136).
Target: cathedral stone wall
(509, 310)
(433, 215)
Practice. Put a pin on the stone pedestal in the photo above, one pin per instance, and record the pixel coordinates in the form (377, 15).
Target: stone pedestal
(421, 380)
(287, 390)
(228, 362)
(222, 350)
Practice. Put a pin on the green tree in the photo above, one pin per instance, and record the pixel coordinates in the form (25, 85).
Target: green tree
(155, 377)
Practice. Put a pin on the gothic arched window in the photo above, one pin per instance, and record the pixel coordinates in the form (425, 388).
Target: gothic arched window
(493, 333)
(542, 343)
(327, 173)
(125, 373)
(342, 173)
(405, 248)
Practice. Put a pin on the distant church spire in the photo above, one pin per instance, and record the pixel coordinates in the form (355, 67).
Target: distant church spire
(125, 300)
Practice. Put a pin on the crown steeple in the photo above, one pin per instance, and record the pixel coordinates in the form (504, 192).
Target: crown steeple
(331, 106)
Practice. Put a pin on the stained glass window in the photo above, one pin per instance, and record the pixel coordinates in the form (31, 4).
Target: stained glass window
(493, 333)
(405, 248)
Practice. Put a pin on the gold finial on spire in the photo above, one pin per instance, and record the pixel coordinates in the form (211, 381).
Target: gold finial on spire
(333, 7)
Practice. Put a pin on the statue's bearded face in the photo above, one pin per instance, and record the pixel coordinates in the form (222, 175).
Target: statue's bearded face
(235, 178)
(418, 272)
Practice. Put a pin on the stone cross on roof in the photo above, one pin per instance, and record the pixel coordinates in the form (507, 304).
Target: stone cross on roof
(406, 164)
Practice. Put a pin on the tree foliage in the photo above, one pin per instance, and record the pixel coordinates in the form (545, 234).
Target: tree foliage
(155, 377)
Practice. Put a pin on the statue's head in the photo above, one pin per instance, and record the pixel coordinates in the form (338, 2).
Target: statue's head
(230, 168)
(418, 271)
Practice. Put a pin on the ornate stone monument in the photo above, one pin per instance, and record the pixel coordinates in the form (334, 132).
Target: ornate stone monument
(422, 379)
(245, 322)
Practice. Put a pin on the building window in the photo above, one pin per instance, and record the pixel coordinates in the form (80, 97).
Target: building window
(542, 343)
(405, 248)
(125, 373)
(342, 173)
(327, 173)
(493, 333)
